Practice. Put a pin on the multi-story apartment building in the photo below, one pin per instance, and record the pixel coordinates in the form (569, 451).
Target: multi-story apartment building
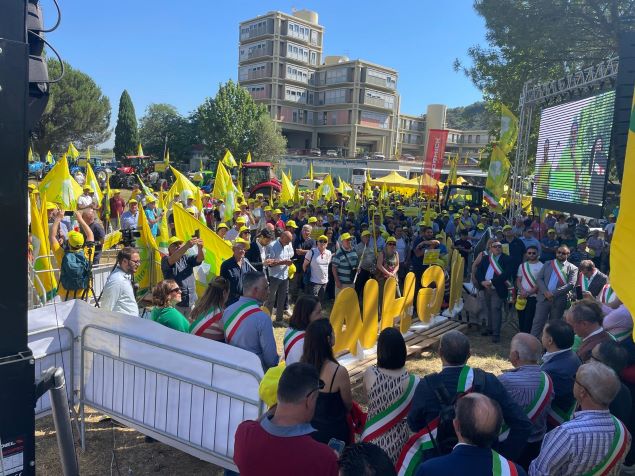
(329, 102)
(469, 144)
(412, 135)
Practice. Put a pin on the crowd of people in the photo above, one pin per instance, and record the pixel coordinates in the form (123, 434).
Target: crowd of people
(564, 407)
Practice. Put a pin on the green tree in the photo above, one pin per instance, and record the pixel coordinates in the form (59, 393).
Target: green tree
(162, 122)
(126, 133)
(269, 141)
(232, 120)
(77, 111)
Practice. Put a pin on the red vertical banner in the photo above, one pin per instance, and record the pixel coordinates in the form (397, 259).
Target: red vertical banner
(434, 153)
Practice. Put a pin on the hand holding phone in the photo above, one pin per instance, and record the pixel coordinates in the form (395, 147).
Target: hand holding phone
(336, 445)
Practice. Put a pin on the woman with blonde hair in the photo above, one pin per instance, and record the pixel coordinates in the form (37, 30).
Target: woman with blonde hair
(208, 311)
(165, 296)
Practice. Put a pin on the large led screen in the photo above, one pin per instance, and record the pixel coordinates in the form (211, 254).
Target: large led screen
(572, 155)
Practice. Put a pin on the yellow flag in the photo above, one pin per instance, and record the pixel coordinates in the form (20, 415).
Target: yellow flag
(140, 150)
(311, 171)
(288, 190)
(42, 262)
(166, 159)
(496, 177)
(30, 156)
(149, 271)
(49, 157)
(452, 175)
(112, 239)
(60, 187)
(326, 189)
(296, 194)
(91, 180)
(248, 159)
(72, 151)
(182, 183)
(88, 154)
(215, 249)
(509, 130)
(228, 159)
(622, 250)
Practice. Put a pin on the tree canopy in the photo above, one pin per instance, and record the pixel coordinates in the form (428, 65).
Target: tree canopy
(77, 111)
(473, 116)
(126, 133)
(163, 122)
(233, 120)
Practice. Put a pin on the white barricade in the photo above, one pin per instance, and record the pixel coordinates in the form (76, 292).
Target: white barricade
(186, 391)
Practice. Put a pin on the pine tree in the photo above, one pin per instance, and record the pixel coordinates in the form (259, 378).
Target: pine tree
(126, 133)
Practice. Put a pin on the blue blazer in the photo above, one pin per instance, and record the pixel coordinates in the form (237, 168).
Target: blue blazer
(562, 369)
(464, 460)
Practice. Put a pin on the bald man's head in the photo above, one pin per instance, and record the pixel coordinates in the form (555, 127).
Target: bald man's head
(478, 420)
(525, 349)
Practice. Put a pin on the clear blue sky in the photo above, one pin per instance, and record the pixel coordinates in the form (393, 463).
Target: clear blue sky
(178, 52)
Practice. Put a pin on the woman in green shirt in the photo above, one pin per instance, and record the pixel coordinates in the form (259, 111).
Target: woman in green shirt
(165, 295)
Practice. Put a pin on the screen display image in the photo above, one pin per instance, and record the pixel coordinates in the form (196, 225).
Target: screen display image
(572, 155)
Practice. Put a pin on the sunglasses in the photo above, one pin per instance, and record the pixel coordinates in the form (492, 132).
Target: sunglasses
(318, 388)
(531, 253)
(175, 290)
(391, 244)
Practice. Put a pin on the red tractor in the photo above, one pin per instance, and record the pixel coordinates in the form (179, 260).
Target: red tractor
(141, 165)
(257, 177)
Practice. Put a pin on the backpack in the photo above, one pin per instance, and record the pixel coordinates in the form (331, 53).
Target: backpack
(446, 437)
(74, 271)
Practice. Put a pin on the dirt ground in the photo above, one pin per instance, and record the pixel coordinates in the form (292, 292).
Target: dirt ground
(112, 449)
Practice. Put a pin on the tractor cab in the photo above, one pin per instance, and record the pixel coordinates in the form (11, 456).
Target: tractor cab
(257, 177)
(458, 196)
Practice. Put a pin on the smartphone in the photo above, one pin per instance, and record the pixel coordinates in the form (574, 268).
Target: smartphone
(197, 233)
(336, 445)
(578, 293)
(69, 213)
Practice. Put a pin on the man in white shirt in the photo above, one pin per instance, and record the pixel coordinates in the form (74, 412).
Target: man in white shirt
(118, 293)
(280, 258)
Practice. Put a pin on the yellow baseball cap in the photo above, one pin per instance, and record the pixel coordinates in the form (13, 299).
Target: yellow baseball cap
(365, 233)
(75, 239)
(268, 208)
(243, 229)
(132, 201)
(312, 220)
(291, 224)
(345, 236)
(222, 225)
(50, 206)
(323, 237)
(507, 227)
(480, 226)
(174, 240)
(241, 220)
(391, 239)
(240, 241)
(87, 188)
(277, 211)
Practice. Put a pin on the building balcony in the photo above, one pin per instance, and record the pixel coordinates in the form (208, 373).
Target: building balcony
(379, 82)
(378, 102)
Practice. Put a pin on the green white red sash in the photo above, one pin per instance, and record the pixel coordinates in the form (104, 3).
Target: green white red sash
(413, 450)
(620, 336)
(237, 318)
(556, 416)
(493, 262)
(206, 321)
(502, 466)
(619, 445)
(291, 338)
(559, 270)
(607, 295)
(420, 442)
(392, 415)
(583, 281)
(534, 408)
(528, 275)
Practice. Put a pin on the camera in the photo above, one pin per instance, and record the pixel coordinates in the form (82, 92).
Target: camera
(129, 236)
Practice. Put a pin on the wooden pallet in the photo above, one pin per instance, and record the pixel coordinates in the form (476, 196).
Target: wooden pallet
(416, 343)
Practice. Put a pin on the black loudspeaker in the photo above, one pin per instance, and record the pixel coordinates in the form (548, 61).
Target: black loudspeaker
(624, 84)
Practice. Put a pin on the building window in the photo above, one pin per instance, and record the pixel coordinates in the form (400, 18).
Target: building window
(478, 139)
(469, 139)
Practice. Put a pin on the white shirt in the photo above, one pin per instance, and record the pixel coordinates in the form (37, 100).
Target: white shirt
(524, 283)
(597, 331)
(319, 266)
(118, 294)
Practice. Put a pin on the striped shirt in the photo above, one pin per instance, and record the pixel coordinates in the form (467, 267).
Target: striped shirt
(522, 385)
(577, 446)
(346, 264)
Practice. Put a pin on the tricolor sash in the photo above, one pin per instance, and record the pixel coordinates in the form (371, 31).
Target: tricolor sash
(558, 269)
(535, 408)
(291, 338)
(413, 450)
(502, 466)
(556, 416)
(620, 336)
(528, 275)
(583, 281)
(420, 442)
(495, 266)
(204, 322)
(392, 415)
(607, 295)
(619, 446)
(237, 318)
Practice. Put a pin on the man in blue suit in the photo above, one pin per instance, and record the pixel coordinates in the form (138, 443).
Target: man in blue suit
(454, 350)
(477, 424)
(561, 364)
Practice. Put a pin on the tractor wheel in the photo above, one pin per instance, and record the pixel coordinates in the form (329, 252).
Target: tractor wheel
(130, 181)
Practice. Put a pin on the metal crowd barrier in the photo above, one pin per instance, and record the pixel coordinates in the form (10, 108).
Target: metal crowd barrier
(197, 417)
(57, 355)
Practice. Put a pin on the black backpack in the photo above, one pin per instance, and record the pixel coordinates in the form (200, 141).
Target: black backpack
(446, 437)
(74, 271)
